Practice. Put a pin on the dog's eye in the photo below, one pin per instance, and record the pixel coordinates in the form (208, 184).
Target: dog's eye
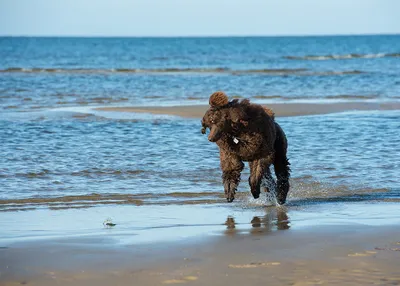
(212, 121)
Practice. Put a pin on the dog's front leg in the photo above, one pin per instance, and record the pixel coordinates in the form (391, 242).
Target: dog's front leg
(231, 167)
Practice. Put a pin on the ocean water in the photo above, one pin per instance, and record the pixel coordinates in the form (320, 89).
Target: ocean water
(65, 167)
(40, 73)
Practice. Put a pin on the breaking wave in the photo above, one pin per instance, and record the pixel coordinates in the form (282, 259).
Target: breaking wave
(329, 73)
(94, 199)
(335, 97)
(343, 57)
(272, 72)
(162, 70)
(94, 172)
(304, 191)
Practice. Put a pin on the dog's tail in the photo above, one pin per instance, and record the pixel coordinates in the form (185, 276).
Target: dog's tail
(281, 164)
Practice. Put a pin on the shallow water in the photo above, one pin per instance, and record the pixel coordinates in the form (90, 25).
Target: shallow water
(65, 167)
(66, 173)
(149, 224)
(78, 156)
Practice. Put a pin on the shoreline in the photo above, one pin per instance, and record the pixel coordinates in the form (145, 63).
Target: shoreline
(363, 254)
(219, 245)
(280, 109)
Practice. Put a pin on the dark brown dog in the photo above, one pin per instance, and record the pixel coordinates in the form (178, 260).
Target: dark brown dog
(247, 132)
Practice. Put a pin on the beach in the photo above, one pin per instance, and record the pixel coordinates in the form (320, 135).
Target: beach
(324, 255)
(280, 109)
(106, 178)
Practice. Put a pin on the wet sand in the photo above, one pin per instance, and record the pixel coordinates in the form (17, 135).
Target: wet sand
(280, 109)
(328, 255)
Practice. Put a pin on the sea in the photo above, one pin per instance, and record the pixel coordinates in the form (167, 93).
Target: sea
(66, 169)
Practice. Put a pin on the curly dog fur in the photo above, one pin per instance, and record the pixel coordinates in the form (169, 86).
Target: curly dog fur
(247, 132)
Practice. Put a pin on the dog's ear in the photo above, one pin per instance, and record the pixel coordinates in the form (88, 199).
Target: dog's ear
(218, 99)
(203, 126)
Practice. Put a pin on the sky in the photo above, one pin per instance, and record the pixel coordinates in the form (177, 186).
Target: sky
(197, 17)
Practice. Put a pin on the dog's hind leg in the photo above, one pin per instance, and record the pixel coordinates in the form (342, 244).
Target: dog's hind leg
(281, 165)
(231, 167)
(258, 169)
(269, 183)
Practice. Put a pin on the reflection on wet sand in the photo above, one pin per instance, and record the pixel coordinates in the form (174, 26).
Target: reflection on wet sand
(274, 219)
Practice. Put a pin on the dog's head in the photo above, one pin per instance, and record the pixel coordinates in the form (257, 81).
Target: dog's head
(217, 121)
(222, 117)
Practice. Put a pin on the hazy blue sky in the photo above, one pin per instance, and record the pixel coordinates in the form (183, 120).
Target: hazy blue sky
(198, 17)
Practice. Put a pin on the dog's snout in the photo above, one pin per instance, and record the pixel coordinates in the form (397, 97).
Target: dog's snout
(215, 134)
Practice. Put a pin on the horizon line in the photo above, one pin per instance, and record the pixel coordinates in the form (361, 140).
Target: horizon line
(198, 36)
